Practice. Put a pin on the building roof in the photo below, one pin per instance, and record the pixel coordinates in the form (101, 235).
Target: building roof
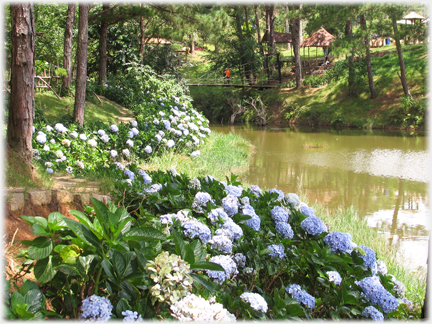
(279, 38)
(319, 38)
(158, 40)
(413, 16)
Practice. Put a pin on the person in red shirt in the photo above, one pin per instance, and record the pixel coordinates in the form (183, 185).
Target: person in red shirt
(227, 76)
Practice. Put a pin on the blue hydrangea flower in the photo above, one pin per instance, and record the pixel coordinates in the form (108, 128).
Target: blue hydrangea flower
(201, 199)
(277, 251)
(148, 149)
(370, 257)
(230, 205)
(170, 143)
(167, 124)
(279, 214)
(373, 313)
(235, 191)
(133, 123)
(41, 138)
(60, 128)
(308, 211)
(214, 215)
(335, 277)
(256, 301)
(95, 308)
(113, 153)
(399, 288)
(381, 267)
(195, 228)
(339, 241)
(255, 221)
(158, 137)
(377, 294)
(256, 190)
(114, 128)
(194, 153)
(313, 225)
(279, 192)
(301, 296)
(225, 262)
(221, 243)
(235, 230)
(293, 200)
(49, 170)
(130, 316)
(129, 174)
(284, 230)
(73, 134)
(239, 259)
(167, 218)
(147, 179)
(153, 188)
(134, 131)
(293, 288)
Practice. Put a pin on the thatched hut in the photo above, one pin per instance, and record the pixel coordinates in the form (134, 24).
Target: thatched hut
(320, 38)
(283, 38)
(413, 17)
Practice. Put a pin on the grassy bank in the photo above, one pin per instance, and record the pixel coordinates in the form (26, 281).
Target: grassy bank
(220, 156)
(347, 221)
(322, 104)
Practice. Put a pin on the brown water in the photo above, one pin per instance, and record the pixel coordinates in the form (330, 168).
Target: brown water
(383, 175)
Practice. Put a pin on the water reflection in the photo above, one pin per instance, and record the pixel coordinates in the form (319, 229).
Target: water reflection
(383, 175)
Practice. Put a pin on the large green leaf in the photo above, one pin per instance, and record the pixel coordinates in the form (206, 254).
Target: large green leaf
(44, 271)
(144, 234)
(35, 300)
(31, 220)
(109, 270)
(56, 221)
(122, 227)
(39, 230)
(210, 286)
(102, 214)
(22, 312)
(179, 244)
(207, 265)
(131, 291)
(122, 306)
(27, 286)
(119, 262)
(40, 248)
(84, 264)
(84, 233)
(199, 251)
(68, 269)
(17, 299)
(82, 218)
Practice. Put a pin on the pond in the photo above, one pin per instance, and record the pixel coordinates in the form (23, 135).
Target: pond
(384, 175)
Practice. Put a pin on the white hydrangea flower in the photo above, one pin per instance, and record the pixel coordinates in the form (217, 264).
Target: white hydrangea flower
(92, 143)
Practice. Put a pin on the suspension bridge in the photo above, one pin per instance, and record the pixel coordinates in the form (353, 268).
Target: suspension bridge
(240, 78)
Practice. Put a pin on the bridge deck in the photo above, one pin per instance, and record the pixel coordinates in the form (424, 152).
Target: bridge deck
(234, 85)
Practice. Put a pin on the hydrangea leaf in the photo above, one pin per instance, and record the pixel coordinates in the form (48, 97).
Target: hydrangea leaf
(44, 270)
(40, 248)
(35, 300)
(144, 234)
(70, 253)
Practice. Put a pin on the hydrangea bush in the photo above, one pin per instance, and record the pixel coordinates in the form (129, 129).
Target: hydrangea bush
(164, 258)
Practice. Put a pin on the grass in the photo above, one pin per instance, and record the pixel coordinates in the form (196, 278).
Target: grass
(54, 109)
(221, 155)
(347, 221)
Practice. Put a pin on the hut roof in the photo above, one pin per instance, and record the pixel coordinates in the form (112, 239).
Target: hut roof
(319, 38)
(413, 16)
(279, 38)
(158, 40)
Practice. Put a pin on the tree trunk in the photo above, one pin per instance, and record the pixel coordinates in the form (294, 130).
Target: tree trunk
(81, 64)
(368, 57)
(103, 48)
(21, 105)
(295, 31)
(67, 59)
(352, 92)
(192, 46)
(259, 38)
(401, 60)
(271, 29)
(287, 26)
